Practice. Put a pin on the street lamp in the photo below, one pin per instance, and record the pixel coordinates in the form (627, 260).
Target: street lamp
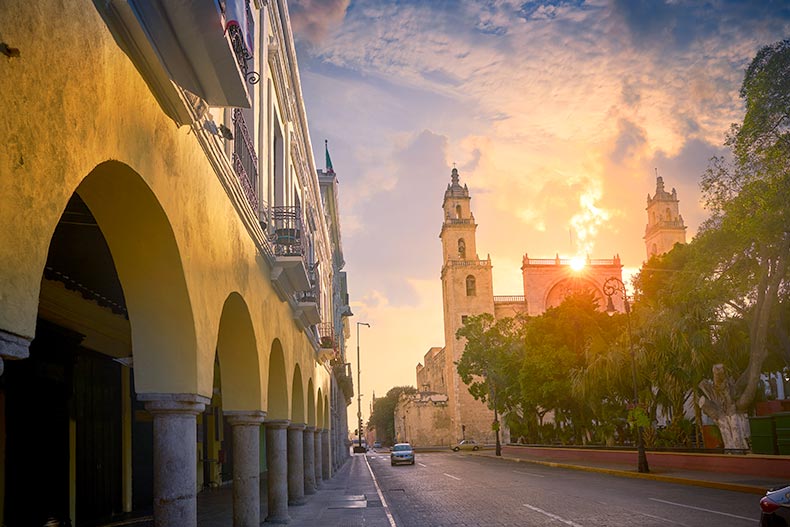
(615, 285)
(359, 389)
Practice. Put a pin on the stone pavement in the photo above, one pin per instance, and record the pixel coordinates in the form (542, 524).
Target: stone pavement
(716, 480)
(348, 499)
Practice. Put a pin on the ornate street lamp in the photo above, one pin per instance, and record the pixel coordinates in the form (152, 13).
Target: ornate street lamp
(359, 390)
(611, 286)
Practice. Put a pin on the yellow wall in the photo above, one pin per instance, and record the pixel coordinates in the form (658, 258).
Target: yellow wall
(78, 117)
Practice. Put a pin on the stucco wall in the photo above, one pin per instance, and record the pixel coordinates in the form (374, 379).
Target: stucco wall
(83, 116)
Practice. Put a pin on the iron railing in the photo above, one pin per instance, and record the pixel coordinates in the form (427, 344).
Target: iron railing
(326, 335)
(244, 160)
(286, 237)
(238, 41)
(314, 293)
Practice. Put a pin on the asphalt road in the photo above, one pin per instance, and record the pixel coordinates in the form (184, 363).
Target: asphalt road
(457, 489)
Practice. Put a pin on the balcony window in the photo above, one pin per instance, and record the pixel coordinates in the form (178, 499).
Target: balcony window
(244, 160)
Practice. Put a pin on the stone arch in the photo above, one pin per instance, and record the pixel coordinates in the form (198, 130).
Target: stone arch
(237, 352)
(297, 397)
(135, 227)
(311, 421)
(277, 390)
(566, 286)
(319, 414)
(458, 211)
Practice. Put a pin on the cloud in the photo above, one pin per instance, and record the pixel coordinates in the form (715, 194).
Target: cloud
(631, 138)
(313, 19)
(556, 112)
(399, 241)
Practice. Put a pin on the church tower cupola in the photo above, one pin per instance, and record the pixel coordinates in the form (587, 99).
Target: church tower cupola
(665, 225)
(458, 228)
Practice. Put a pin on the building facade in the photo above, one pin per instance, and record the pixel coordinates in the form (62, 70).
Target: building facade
(443, 411)
(168, 261)
(665, 225)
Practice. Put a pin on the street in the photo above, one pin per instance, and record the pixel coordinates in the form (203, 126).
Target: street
(462, 489)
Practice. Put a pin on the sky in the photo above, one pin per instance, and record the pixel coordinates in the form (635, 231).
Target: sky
(557, 115)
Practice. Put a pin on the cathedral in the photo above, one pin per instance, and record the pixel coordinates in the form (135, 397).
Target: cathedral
(443, 412)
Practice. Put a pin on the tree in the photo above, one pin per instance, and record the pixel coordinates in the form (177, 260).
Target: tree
(382, 418)
(742, 251)
(486, 365)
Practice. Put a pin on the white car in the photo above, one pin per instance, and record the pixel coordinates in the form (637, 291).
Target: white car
(402, 453)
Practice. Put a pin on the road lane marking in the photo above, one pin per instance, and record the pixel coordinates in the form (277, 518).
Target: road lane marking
(701, 509)
(381, 496)
(451, 476)
(422, 465)
(528, 473)
(660, 518)
(552, 516)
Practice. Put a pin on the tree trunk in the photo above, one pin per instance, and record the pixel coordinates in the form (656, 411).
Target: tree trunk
(718, 403)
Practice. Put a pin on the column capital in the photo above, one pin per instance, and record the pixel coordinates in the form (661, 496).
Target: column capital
(296, 426)
(245, 417)
(174, 403)
(317, 431)
(309, 428)
(13, 347)
(277, 423)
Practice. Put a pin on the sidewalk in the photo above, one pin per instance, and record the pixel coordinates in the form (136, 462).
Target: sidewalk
(716, 480)
(348, 499)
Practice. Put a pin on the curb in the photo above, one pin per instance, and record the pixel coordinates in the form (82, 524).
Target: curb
(735, 487)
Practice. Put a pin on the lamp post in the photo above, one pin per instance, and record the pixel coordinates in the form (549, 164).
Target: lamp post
(615, 285)
(359, 389)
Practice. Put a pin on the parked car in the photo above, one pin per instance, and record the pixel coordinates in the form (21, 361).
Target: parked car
(775, 507)
(402, 453)
(376, 444)
(466, 444)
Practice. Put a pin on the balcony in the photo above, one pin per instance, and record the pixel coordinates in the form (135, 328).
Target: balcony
(326, 341)
(190, 42)
(289, 273)
(307, 301)
(244, 160)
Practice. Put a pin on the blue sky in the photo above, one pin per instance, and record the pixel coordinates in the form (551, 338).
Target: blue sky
(556, 113)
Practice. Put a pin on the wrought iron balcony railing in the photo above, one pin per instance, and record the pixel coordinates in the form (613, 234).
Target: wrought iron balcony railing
(314, 292)
(238, 41)
(286, 237)
(244, 160)
(326, 335)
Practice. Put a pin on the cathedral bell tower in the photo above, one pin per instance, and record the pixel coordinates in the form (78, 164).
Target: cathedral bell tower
(467, 289)
(665, 225)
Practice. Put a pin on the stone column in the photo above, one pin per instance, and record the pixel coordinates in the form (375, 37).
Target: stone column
(318, 458)
(12, 347)
(175, 456)
(277, 462)
(309, 460)
(246, 467)
(296, 464)
(326, 467)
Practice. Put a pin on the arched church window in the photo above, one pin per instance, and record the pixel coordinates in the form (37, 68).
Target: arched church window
(668, 214)
(462, 249)
(653, 250)
(471, 286)
(458, 211)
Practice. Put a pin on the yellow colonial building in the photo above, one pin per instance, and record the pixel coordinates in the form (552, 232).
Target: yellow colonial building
(173, 310)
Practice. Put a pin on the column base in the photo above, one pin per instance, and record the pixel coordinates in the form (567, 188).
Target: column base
(296, 502)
